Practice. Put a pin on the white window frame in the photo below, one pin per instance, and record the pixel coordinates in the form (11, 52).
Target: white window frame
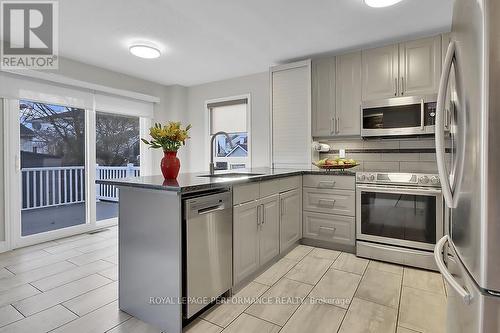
(237, 160)
(13, 180)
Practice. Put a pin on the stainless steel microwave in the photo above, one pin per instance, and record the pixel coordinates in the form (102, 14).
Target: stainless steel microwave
(399, 116)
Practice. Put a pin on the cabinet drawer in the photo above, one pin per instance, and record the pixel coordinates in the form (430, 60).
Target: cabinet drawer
(333, 182)
(290, 183)
(331, 228)
(245, 193)
(269, 187)
(339, 202)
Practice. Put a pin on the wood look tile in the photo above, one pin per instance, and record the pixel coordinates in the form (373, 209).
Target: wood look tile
(44, 321)
(17, 293)
(35, 274)
(364, 316)
(97, 245)
(422, 311)
(58, 248)
(279, 303)
(42, 261)
(380, 287)
(13, 257)
(324, 254)
(8, 315)
(385, 267)
(299, 252)
(247, 323)
(276, 272)
(93, 300)
(314, 317)
(70, 275)
(87, 258)
(309, 270)
(134, 325)
(405, 330)
(425, 280)
(336, 288)
(101, 320)
(4, 273)
(60, 294)
(223, 314)
(110, 273)
(201, 326)
(350, 263)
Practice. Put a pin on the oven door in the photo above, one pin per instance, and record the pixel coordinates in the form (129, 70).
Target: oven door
(402, 216)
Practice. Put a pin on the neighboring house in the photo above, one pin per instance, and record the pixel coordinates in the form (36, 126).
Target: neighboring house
(27, 138)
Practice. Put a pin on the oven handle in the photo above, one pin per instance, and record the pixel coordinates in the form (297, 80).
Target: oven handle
(398, 190)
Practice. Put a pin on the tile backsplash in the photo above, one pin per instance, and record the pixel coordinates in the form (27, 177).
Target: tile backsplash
(392, 155)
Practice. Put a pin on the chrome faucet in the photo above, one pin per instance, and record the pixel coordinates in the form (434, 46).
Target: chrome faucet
(212, 166)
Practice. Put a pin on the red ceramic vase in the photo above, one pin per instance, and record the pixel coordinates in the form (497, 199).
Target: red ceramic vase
(170, 165)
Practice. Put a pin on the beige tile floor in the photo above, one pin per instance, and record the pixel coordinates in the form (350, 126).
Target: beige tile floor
(71, 285)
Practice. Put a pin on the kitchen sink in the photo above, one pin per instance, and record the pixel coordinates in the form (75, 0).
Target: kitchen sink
(232, 175)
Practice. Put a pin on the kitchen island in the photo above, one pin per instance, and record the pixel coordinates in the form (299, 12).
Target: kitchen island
(152, 237)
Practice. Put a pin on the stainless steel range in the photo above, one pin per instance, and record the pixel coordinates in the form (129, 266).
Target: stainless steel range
(399, 217)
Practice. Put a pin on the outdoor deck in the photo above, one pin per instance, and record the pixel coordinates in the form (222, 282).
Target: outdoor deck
(39, 220)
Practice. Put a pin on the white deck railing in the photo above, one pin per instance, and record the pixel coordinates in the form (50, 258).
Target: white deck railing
(54, 186)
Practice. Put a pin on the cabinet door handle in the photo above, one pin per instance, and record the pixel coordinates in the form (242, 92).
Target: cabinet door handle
(332, 229)
(338, 125)
(396, 86)
(402, 85)
(282, 207)
(326, 184)
(258, 215)
(332, 125)
(422, 115)
(262, 220)
(326, 202)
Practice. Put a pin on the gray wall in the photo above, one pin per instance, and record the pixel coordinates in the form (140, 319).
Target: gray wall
(257, 86)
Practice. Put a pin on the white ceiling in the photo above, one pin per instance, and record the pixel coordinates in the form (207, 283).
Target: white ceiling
(210, 40)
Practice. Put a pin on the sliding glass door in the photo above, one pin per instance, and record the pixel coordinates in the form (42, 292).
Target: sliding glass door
(117, 147)
(52, 167)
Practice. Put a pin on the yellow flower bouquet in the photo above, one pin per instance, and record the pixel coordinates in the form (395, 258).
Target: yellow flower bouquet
(169, 137)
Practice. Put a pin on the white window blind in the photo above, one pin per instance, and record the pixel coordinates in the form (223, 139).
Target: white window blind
(228, 117)
(19, 87)
(123, 105)
(291, 114)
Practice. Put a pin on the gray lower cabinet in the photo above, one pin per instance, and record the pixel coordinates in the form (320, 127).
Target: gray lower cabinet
(330, 228)
(290, 221)
(329, 204)
(246, 232)
(269, 245)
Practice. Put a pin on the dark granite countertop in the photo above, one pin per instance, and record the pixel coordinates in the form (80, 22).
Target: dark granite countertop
(191, 182)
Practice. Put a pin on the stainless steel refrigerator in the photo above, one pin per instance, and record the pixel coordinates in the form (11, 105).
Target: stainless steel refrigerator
(468, 154)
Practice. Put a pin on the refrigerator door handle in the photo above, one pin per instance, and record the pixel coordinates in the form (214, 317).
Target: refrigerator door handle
(438, 257)
(450, 195)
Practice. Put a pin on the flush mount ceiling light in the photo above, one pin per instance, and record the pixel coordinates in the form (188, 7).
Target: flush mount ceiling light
(145, 51)
(381, 3)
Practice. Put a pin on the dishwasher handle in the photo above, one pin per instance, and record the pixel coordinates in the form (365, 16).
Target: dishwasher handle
(211, 209)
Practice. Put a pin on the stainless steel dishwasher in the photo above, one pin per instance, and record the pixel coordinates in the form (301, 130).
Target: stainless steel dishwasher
(209, 249)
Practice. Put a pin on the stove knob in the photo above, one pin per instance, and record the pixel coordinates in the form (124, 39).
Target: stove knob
(424, 180)
(435, 180)
(361, 178)
(371, 178)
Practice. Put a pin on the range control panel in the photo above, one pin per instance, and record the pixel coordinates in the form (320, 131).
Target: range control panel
(415, 179)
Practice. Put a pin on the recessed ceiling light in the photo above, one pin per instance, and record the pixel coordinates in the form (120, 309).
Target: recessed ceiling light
(381, 3)
(145, 51)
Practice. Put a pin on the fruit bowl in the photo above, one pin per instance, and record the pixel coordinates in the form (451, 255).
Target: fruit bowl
(336, 164)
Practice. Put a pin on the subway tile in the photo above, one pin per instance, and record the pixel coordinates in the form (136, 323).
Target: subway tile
(354, 144)
(399, 157)
(365, 157)
(381, 166)
(422, 167)
(427, 157)
(417, 143)
(381, 144)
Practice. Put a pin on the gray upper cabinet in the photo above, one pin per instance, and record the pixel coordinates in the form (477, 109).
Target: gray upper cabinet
(406, 69)
(348, 94)
(380, 72)
(323, 97)
(420, 66)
